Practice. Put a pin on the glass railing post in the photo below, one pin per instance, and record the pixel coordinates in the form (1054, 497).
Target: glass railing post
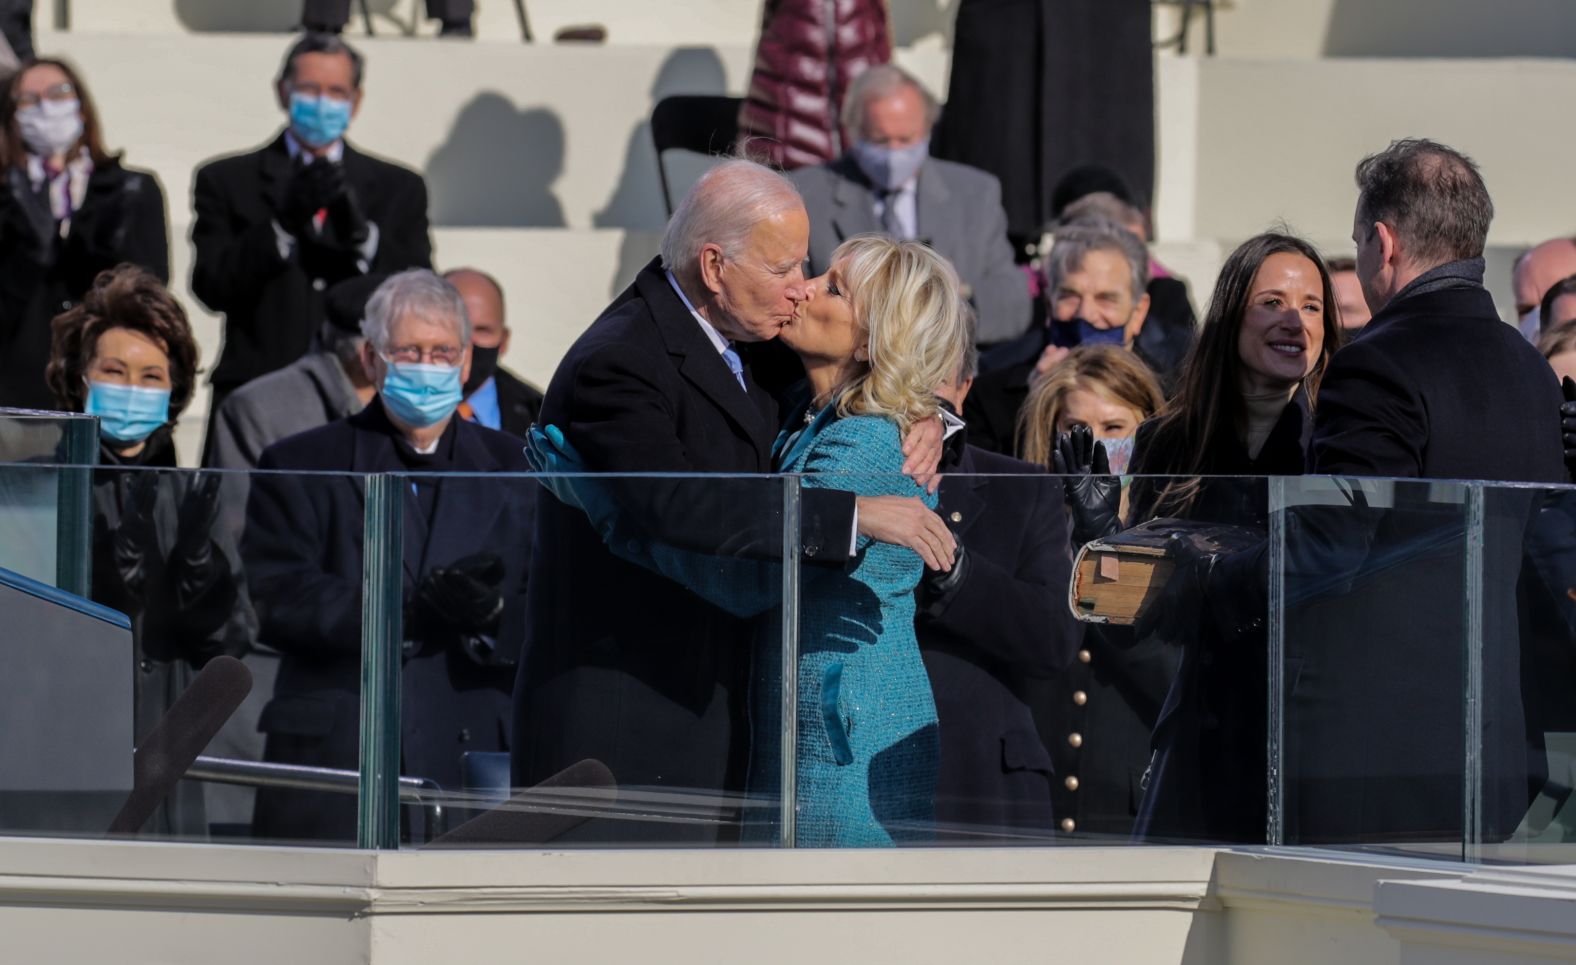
(1472, 680)
(377, 824)
(790, 661)
(73, 517)
(1275, 731)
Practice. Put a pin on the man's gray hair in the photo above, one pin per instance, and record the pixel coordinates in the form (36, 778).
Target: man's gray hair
(415, 292)
(1431, 195)
(882, 80)
(1074, 241)
(723, 208)
(970, 366)
(1102, 204)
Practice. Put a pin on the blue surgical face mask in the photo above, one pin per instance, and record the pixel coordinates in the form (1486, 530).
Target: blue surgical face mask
(421, 395)
(889, 168)
(1119, 453)
(127, 413)
(319, 121)
(1080, 331)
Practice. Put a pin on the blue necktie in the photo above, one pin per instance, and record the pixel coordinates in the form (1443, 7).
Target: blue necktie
(735, 365)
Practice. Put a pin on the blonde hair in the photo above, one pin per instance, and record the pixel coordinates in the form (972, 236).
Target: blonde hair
(908, 300)
(1115, 374)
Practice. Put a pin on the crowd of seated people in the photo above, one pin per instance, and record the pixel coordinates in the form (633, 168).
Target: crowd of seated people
(959, 428)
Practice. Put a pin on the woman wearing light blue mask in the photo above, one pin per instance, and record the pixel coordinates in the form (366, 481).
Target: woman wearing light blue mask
(68, 210)
(126, 354)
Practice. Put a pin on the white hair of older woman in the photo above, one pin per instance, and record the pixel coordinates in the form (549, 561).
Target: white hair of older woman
(415, 292)
(723, 208)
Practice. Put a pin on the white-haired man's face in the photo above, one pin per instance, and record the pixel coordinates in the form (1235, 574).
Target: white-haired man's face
(758, 291)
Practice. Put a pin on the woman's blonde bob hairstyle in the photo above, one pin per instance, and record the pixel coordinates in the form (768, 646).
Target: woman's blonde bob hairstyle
(1112, 373)
(908, 301)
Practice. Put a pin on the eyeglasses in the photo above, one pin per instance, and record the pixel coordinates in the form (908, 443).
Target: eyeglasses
(449, 355)
(57, 94)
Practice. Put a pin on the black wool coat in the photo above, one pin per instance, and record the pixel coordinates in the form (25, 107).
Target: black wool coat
(303, 552)
(1004, 626)
(273, 307)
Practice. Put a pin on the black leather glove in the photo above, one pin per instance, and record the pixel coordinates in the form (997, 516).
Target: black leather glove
(136, 539)
(345, 214)
(464, 595)
(1568, 424)
(1093, 495)
(311, 188)
(199, 512)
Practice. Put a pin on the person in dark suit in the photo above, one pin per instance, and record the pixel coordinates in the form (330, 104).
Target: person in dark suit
(465, 565)
(68, 210)
(991, 630)
(656, 685)
(1434, 387)
(278, 226)
(1097, 274)
(494, 396)
(888, 182)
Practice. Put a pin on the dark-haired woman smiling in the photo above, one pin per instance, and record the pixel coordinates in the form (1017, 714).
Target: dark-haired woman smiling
(1243, 410)
(68, 210)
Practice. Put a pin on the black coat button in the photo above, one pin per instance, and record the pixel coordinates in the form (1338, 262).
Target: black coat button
(465, 734)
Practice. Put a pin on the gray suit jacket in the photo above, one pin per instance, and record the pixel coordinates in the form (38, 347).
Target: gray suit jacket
(959, 214)
(309, 392)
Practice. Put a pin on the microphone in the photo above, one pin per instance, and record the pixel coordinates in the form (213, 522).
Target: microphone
(181, 734)
(537, 815)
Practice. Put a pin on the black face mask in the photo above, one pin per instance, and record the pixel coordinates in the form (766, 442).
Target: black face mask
(484, 362)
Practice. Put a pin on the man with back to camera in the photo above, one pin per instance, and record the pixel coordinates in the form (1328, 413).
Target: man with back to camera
(1435, 386)
(622, 665)
(494, 396)
(276, 227)
(888, 182)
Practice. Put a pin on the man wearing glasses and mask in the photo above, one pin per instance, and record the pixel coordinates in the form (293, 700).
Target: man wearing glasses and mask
(277, 227)
(465, 543)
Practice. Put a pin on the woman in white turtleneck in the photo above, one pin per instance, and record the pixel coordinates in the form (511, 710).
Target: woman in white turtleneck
(1243, 411)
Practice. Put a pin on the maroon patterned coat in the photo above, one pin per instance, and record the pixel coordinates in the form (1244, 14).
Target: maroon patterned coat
(809, 52)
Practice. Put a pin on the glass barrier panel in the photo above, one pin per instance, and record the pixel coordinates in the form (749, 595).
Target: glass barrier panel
(1378, 614)
(630, 632)
(1529, 651)
(45, 507)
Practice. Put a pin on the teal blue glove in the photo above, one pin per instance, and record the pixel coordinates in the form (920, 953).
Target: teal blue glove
(565, 476)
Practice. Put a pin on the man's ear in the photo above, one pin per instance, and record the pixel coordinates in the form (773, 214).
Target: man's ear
(465, 366)
(1389, 244)
(282, 94)
(711, 260)
(369, 362)
(503, 343)
(1136, 323)
(355, 103)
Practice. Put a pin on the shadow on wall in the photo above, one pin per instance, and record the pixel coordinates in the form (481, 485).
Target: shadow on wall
(497, 166)
(398, 17)
(637, 201)
(923, 21)
(1452, 28)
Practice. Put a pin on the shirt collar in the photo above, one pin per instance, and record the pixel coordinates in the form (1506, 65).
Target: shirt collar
(717, 341)
(336, 151)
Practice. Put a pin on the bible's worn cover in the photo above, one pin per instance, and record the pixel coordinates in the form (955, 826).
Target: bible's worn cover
(1116, 578)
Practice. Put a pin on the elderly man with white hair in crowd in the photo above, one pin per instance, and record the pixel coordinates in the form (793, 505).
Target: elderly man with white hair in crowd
(466, 549)
(888, 182)
(622, 665)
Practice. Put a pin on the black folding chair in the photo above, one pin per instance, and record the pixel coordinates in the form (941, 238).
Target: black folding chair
(703, 123)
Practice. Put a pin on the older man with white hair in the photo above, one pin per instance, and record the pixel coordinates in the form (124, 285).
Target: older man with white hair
(888, 182)
(466, 550)
(622, 665)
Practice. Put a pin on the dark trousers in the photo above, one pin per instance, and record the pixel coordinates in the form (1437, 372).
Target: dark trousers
(334, 14)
